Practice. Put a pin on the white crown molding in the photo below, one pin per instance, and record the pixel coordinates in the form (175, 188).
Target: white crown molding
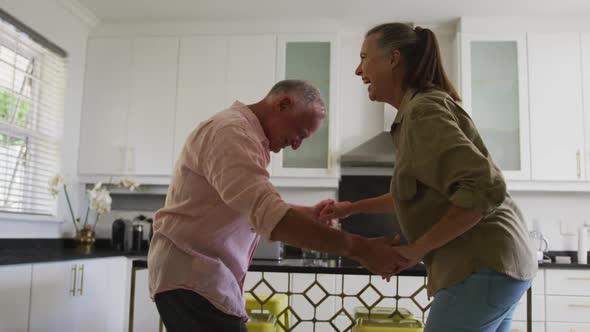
(80, 11)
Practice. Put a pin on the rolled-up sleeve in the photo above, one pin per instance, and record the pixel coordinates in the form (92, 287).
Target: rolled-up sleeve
(236, 167)
(445, 159)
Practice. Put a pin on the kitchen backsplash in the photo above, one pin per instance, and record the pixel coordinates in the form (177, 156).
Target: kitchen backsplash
(558, 215)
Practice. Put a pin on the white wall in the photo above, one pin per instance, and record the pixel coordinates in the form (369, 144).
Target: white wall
(58, 24)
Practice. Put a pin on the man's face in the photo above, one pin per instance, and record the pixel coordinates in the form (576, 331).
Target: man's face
(293, 123)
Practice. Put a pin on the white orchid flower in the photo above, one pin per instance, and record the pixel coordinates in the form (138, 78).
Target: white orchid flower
(100, 200)
(55, 185)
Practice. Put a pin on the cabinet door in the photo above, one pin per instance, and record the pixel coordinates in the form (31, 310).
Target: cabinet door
(146, 317)
(15, 291)
(251, 68)
(103, 129)
(494, 91)
(53, 305)
(557, 135)
(201, 83)
(101, 293)
(150, 124)
(311, 58)
(585, 159)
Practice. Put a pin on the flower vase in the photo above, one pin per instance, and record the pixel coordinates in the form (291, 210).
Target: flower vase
(85, 239)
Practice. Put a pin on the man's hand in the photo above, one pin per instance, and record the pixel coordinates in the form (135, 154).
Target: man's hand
(336, 210)
(317, 210)
(379, 255)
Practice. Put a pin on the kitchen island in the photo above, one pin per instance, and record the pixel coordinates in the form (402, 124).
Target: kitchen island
(324, 293)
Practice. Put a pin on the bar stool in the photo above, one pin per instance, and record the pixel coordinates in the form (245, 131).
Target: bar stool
(261, 322)
(274, 305)
(383, 313)
(387, 325)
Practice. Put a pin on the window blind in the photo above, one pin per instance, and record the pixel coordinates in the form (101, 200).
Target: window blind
(32, 87)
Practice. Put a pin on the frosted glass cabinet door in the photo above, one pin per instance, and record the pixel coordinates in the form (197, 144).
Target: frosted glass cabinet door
(494, 84)
(310, 59)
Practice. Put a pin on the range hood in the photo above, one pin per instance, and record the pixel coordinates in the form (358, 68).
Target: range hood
(377, 151)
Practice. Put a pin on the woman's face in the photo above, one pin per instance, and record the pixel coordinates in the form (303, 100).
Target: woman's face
(377, 68)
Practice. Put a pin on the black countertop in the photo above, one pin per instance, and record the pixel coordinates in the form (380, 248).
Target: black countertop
(27, 251)
(334, 265)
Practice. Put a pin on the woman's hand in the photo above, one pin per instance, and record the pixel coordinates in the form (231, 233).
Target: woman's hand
(412, 253)
(317, 209)
(336, 210)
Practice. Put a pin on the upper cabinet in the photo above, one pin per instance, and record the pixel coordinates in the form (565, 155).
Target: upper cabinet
(127, 124)
(103, 129)
(215, 71)
(494, 90)
(311, 58)
(585, 42)
(557, 120)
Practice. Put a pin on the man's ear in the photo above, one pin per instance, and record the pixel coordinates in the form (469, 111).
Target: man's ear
(285, 103)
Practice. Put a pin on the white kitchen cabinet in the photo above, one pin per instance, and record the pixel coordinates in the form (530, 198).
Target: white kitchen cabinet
(215, 71)
(127, 124)
(81, 295)
(518, 326)
(567, 300)
(312, 58)
(15, 291)
(251, 67)
(585, 41)
(150, 123)
(567, 327)
(495, 92)
(201, 83)
(145, 314)
(556, 111)
(103, 128)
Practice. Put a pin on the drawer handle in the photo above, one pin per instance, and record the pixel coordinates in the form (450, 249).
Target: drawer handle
(579, 279)
(586, 306)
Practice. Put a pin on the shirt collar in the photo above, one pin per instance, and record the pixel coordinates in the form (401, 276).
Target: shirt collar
(252, 119)
(408, 96)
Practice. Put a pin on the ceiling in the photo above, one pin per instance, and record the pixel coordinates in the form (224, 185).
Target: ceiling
(424, 11)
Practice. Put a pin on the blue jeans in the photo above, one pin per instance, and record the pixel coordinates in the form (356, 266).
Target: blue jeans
(483, 302)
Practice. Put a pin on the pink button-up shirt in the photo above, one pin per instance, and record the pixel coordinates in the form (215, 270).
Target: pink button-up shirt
(219, 203)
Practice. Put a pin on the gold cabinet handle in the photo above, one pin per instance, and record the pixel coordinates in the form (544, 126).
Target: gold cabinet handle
(585, 306)
(122, 158)
(579, 278)
(579, 163)
(73, 290)
(81, 289)
(131, 159)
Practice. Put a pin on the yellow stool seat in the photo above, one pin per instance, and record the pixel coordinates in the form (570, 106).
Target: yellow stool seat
(261, 322)
(388, 325)
(383, 313)
(273, 305)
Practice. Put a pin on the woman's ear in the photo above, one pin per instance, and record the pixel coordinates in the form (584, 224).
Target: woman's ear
(395, 58)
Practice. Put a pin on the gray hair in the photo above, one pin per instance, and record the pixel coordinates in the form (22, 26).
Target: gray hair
(301, 90)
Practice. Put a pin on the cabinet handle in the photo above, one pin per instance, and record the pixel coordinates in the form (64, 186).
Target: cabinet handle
(579, 163)
(81, 289)
(121, 165)
(131, 159)
(73, 290)
(579, 278)
(330, 162)
(585, 306)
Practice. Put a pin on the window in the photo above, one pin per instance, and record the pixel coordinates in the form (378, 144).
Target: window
(32, 82)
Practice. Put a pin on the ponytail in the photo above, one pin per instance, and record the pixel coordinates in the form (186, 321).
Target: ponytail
(420, 55)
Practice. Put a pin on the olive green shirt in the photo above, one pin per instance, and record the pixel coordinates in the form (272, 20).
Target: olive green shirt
(442, 161)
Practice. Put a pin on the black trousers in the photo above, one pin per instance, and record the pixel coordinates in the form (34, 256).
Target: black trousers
(182, 310)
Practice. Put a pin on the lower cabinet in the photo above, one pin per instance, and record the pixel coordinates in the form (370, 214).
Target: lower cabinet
(81, 295)
(145, 314)
(15, 292)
